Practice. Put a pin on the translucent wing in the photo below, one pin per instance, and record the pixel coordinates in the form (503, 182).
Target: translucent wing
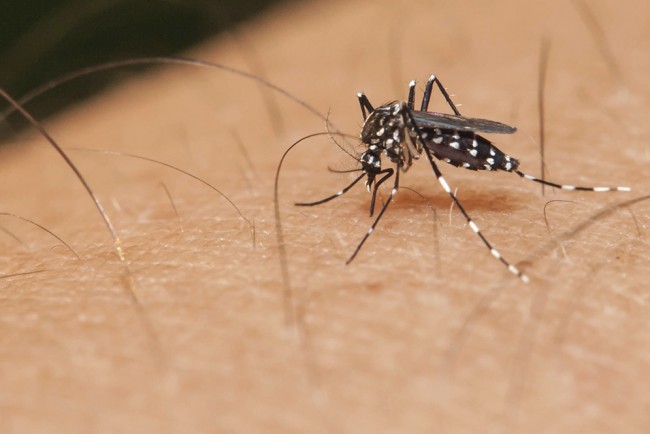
(461, 123)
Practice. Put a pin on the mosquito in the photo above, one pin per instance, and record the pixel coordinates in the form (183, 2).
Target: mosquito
(402, 134)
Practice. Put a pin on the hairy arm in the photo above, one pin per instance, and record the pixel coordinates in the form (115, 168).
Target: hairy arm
(425, 331)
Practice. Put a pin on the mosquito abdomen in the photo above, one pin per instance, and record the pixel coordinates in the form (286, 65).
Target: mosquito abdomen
(466, 149)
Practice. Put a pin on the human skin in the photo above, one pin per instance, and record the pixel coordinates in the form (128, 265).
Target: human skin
(424, 331)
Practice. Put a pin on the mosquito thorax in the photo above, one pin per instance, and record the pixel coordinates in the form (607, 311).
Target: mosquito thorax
(371, 166)
(387, 130)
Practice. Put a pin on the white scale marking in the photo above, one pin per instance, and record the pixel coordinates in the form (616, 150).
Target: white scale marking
(473, 152)
(380, 132)
(437, 140)
(455, 145)
(568, 187)
(473, 226)
(444, 184)
(513, 269)
(602, 189)
(495, 253)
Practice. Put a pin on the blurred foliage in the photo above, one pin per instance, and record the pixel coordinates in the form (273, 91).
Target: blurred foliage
(43, 39)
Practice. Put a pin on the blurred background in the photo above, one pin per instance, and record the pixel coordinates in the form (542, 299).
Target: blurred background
(43, 39)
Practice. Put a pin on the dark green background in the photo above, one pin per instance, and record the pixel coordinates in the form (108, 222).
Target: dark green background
(42, 39)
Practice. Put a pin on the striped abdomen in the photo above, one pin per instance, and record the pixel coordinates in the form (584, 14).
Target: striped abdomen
(466, 149)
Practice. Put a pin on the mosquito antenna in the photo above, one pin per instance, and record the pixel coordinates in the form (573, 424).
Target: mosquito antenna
(331, 134)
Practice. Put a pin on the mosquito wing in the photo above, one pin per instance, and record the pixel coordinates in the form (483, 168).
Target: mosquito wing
(461, 123)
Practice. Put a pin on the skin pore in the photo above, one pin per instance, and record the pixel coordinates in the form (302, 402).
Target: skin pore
(424, 331)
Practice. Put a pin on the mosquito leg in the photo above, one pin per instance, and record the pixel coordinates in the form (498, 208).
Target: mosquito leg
(381, 213)
(389, 173)
(334, 196)
(411, 100)
(427, 95)
(570, 187)
(344, 171)
(511, 267)
(365, 105)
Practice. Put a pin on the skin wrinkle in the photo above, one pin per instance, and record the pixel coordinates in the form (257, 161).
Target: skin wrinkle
(394, 345)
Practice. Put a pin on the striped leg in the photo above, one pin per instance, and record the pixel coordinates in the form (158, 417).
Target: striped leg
(443, 91)
(411, 99)
(335, 195)
(381, 213)
(570, 187)
(365, 105)
(389, 173)
(511, 267)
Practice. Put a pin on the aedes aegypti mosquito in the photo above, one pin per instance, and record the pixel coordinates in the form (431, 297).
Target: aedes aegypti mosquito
(402, 133)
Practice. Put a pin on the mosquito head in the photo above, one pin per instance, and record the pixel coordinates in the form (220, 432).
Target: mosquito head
(370, 162)
(371, 166)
